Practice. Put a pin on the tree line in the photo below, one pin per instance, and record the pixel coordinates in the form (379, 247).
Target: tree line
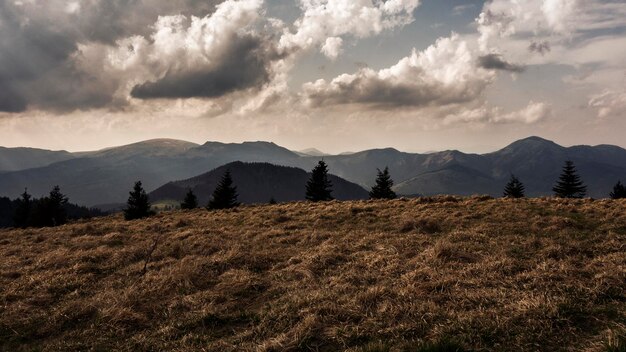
(47, 211)
(569, 185)
(319, 189)
(55, 208)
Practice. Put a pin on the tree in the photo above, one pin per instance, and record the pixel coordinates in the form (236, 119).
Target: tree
(57, 202)
(319, 187)
(138, 205)
(382, 189)
(22, 215)
(273, 201)
(619, 191)
(514, 189)
(190, 201)
(225, 195)
(569, 185)
(50, 211)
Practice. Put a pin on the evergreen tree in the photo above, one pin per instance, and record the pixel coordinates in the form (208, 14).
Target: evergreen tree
(22, 215)
(619, 191)
(138, 205)
(190, 201)
(57, 202)
(569, 184)
(382, 189)
(515, 188)
(273, 201)
(225, 195)
(319, 187)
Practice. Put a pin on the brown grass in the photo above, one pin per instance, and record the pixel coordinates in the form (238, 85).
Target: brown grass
(491, 275)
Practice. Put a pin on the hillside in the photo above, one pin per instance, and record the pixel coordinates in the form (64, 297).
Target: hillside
(256, 183)
(15, 159)
(102, 177)
(489, 275)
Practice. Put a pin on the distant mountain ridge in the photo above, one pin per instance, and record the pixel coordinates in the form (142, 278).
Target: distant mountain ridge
(15, 159)
(105, 176)
(256, 183)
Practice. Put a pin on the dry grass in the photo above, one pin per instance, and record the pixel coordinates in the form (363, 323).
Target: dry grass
(404, 275)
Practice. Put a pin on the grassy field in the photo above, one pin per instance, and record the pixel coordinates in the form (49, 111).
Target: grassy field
(431, 274)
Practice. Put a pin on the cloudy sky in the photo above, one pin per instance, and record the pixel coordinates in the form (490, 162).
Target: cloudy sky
(338, 75)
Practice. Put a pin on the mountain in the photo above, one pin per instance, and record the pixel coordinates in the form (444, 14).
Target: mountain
(106, 176)
(15, 159)
(256, 183)
(311, 152)
(454, 179)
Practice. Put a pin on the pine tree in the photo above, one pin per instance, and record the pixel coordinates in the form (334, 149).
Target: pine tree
(273, 201)
(619, 191)
(22, 215)
(138, 205)
(569, 184)
(382, 189)
(57, 202)
(319, 187)
(225, 195)
(514, 189)
(190, 201)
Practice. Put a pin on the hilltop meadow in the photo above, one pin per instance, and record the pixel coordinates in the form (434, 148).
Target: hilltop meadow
(426, 274)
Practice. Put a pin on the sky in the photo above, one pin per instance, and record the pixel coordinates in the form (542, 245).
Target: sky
(336, 75)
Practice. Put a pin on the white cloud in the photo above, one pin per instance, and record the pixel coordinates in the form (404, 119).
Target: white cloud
(533, 113)
(332, 47)
(323, 19)
(444, 73)
(181, 50)
(609, 104)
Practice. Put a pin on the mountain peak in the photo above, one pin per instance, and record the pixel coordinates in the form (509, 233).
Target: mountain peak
(532, 142)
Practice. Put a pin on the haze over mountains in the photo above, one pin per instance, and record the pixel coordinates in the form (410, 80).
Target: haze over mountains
(105, 176)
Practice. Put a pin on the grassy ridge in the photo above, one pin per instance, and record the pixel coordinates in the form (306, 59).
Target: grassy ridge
(403, 275)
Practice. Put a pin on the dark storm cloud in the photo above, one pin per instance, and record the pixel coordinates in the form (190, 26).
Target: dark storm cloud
(10, 100)
(245, 65)
(38, 42)
(497, 62)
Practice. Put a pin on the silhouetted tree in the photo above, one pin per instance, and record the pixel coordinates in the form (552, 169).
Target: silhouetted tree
(619, 191)
(138, 204)
(569, 185)
(225, 195)
(514, 189)
(190, 201)
(51, 210)
(319, 187)
(273, 201)
(22, 215)
(58, 202)
(382, 189)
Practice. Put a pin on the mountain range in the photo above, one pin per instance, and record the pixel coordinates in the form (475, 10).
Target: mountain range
(106, 176)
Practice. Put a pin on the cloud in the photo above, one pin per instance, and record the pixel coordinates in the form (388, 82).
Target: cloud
(541, 47)
(244, 65)
(332, 47)
(460, 9)
(533, 113)
(609, 103)
(324, 19)
(444, 73)
(497, 62)
(41, 64)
